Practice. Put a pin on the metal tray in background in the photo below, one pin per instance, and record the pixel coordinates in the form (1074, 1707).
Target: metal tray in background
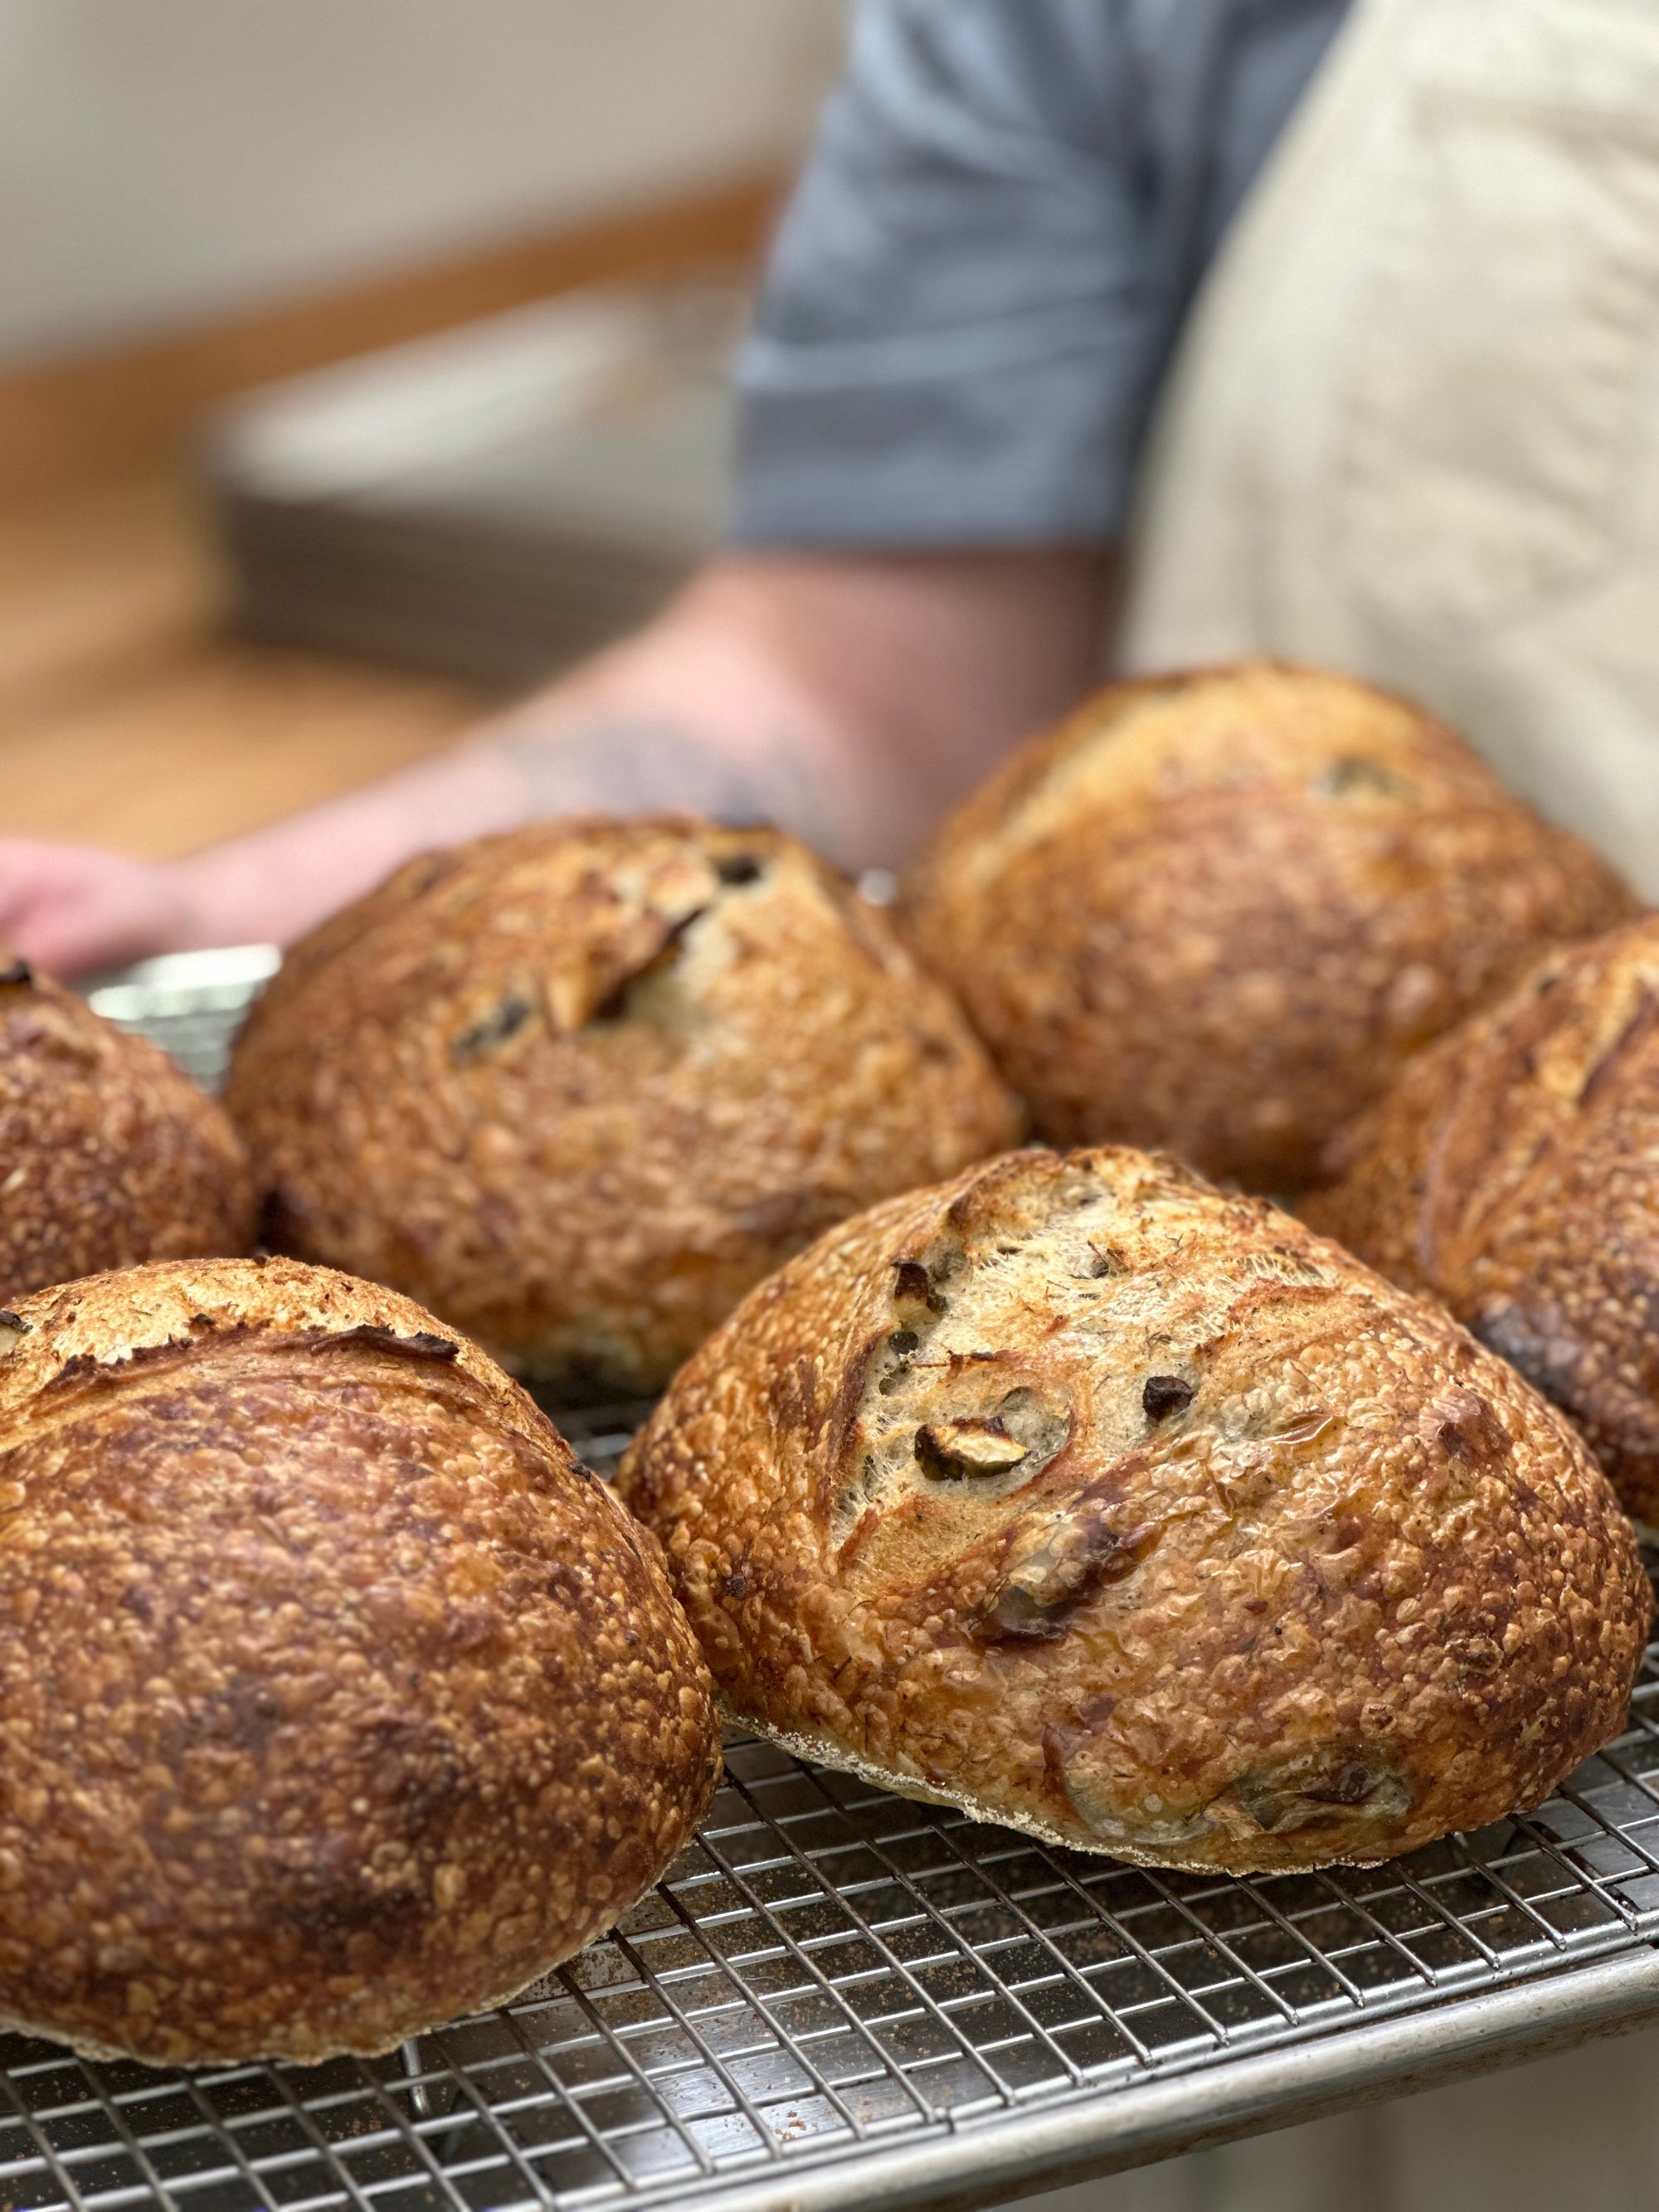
(839, 1998)
(191, 1003)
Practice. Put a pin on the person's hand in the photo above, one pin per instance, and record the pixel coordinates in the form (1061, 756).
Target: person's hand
(68, 908)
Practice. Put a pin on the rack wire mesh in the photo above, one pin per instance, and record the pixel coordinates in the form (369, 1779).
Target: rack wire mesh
(832, 1979)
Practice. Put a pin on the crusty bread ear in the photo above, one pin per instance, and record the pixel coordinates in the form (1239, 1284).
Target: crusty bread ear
(108, 1155)
(579, 1087)
(1216, 912)
(1514, 1175)
(337, 1699)
(1077, 1494)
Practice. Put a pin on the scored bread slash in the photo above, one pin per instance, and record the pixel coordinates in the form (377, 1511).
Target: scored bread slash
(1513, 1174)
(579, 1087)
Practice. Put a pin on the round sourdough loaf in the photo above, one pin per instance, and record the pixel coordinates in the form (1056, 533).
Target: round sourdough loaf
(577, 1088)
(1080, 1496)
(1513, 1173)
(1215, 912)
(336, 1697)
(108, 1155)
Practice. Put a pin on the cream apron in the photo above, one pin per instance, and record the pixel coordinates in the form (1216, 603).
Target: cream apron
(1413, 430)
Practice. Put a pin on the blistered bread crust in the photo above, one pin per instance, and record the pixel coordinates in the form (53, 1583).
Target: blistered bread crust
(577, 1088)
(335, 1697)
(1215, 912)
(108, 1155)
(1514, 1175)
(1136, 1517)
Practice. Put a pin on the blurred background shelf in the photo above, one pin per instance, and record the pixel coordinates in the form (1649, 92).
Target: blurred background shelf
(129, 717)
(220, 199)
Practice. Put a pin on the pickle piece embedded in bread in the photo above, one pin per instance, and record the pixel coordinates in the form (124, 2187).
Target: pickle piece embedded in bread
(1513, 1173)
(578, 1087)
(1216, 912)
(336, 1698)
(1271, 1565)
(109, 1155)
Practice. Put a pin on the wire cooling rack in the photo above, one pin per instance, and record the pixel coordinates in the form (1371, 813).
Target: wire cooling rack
(839, 1998)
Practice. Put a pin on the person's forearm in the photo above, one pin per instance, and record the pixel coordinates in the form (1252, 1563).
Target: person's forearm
(848, 699)
(674, 720)
(276, 882)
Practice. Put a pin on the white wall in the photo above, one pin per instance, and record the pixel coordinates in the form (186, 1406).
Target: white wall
(165, 160)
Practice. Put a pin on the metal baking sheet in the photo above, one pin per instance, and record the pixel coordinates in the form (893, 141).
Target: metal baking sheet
(839, 1998)
(191, 1004)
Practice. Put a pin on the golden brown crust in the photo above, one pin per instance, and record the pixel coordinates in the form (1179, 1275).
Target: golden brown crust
(1514, 1174)
(1078, 1494)
(336, 1699)
(1215, 912)
(579, 1087)
(108, 1154)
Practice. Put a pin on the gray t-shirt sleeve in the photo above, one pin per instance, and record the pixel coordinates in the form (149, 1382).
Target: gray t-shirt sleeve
(975, 287)
(952, 340)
